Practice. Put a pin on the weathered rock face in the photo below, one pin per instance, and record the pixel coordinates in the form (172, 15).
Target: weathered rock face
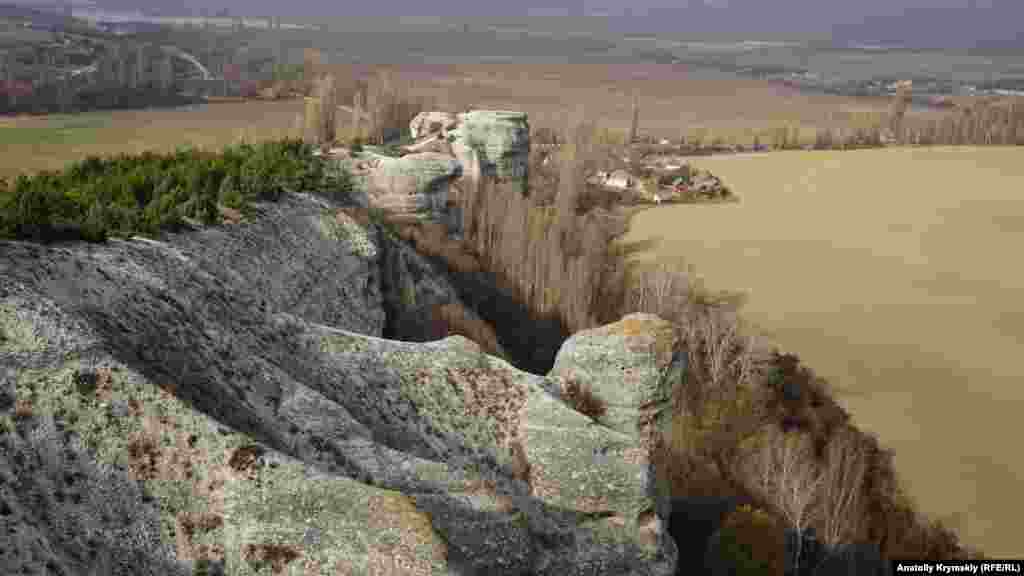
(606, 358)
(432, 122)
(413, 291)
(502, 138)
(222, 395)
(431, 144)
(449, 148)
(415, 184)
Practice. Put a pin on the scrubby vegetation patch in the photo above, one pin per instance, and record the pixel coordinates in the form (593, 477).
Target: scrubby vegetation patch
(146, 193)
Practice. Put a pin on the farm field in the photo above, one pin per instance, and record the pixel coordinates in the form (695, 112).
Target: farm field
(32, 143)
(674, 100)
(892, 273)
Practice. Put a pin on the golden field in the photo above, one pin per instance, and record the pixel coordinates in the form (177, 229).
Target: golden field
(893, 273)
(32, 143)
(674, 100)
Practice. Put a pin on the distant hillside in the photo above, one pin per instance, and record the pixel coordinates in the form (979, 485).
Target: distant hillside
(22, 12)
(42, 17)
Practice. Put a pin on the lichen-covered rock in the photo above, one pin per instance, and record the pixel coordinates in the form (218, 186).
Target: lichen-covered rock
(469, 158)
(346, 229)
(65, 513)
(431, 143)
(501, 137)
(623, 364)
(254, 431)
(413, 184)
(432, 122)
(294, 254)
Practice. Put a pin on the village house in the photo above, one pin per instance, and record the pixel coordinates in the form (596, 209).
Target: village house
(619, 179)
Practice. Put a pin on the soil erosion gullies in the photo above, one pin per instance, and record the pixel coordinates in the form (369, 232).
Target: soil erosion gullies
(880, 285)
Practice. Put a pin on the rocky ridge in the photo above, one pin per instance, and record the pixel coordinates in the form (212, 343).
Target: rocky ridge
(224, 398)
(416, 180)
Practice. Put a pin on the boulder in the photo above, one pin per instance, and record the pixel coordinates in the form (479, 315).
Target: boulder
(413, 184)
(431, 143)
(470, 160)
(427, 123)
(621, 363)
(502, 138)
(224, 398)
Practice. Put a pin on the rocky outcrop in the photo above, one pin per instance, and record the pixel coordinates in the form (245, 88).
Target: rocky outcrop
(502, 138)
(414, 184)
(223, 397)
(435, 122)
(448, 148)
(415, 291)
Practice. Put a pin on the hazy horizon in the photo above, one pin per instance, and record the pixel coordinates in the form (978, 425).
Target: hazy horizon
(932, 23)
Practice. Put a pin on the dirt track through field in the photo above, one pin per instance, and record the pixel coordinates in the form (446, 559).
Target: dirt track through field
(894, 274)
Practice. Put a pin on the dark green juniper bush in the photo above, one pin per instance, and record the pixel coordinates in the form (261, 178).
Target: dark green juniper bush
(146, 193)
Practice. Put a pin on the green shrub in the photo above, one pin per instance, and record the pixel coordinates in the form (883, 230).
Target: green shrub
(146, 193)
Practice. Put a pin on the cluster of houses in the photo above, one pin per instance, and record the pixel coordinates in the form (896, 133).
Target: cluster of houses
(660, 177)
(668, 183)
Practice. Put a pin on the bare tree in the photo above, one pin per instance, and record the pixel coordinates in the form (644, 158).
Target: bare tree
(823, 140)
(718, 394)
(846, 464)
(357, 113)
(663, 290)
(311, 62)
(634, 125)
(320, 110)
(714, 345)
(569, 182)
(327, 95)
(782, 471)
(898, 108)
